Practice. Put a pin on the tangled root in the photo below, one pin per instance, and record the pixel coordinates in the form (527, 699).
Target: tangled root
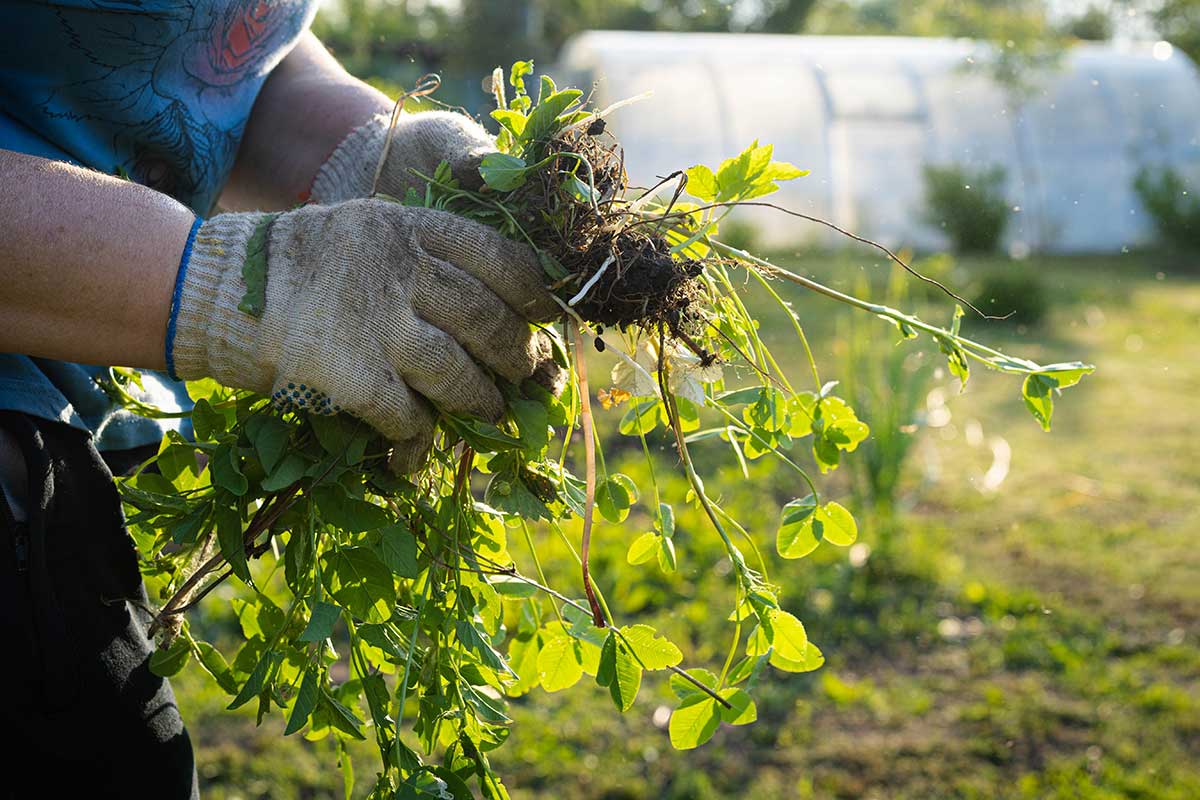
(619, 273)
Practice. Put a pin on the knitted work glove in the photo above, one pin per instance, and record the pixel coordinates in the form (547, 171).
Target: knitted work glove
(370, 307)
(420, 142)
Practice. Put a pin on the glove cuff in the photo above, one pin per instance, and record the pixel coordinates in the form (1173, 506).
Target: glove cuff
(213, 338)
(349, 171)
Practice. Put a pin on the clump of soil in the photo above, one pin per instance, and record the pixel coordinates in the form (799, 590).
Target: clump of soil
(642, 283)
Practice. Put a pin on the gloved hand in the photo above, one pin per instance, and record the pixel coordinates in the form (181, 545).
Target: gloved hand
(420, 142)
(370, 307)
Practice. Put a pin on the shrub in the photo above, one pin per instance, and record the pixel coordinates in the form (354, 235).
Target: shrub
(1016, 292)
(1175, 211)
(968, 204)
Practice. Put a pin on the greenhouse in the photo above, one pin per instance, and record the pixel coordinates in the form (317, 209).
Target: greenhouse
(866, 114)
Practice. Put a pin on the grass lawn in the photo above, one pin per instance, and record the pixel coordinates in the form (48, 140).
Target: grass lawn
(1034, 636)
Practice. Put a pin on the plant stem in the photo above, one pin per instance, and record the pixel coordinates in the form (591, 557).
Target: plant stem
(589, 449)
(264, 518)
(993, 358)
(408, 659)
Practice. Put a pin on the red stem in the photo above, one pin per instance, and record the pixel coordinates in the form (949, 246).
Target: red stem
(589, 450)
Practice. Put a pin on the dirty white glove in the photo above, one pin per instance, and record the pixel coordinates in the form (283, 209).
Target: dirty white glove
(370, 307)
(421, 141)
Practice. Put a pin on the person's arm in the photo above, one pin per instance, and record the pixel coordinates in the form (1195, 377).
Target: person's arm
(370, 307)
(87, 263)
(305, 109)
(316, 134)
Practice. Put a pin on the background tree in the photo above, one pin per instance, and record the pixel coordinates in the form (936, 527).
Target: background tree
(392, 38)
(1178, 21)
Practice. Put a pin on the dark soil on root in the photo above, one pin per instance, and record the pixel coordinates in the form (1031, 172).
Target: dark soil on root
(643, 285)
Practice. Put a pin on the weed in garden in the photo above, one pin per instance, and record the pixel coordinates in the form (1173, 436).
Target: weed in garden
(393, 607)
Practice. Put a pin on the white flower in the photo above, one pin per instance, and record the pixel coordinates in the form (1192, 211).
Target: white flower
(688, 374)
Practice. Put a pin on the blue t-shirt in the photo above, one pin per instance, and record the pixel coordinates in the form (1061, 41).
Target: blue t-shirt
(159, 91)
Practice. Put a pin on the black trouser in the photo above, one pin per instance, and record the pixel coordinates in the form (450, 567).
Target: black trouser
(83, 713)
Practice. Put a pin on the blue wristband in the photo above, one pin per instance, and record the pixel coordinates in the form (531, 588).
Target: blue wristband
(183, 265)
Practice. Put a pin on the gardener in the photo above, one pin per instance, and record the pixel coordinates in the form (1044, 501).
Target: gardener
(370, 308)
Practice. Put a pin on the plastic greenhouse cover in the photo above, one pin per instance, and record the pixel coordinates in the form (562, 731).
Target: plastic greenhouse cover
(865, 114)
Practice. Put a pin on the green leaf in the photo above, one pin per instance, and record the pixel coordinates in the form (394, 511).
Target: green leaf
(487, 708)
(474, 641)
(733, 173)
(1067, 374)
(165, 662)
(615, 496)
(654, 651)
(345, 512)
(797, 536)
(746, 669)
(258, 617)
(522, 659)
(512, 586)
(555, 270)
(543, 120)
(783, 171)
(769, 411)
(643, 549)
(501, 171)
(152, 501)
(684, 688)
(285, 473)
(837, 524)
(227, 472)
(579, 190)
(214, 664)
(813, 659)
(375, 689)
(516, 75)
(177, 463)
(231, 539)
(533, 420)
(269, 435)
(254, 268)
(956, 357)
(547, 88)
(560, 662)
(341, 436)
(606, 670)
(206, 421)
(694, 722)
(306, 701)
(398, 550)
(627, 674)
(666, 555)
(647, 415)
(702, 183)
(360, 582)
(789, 637)
(512, 120)
(743, 711)
(320, 624)
(340, 716)
(738, 397)
(482, 436)
(297, 561)
(507, 492)
(847, 434)
(802, 409)
(258, 678)
(666, 520)
(1038, 393)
